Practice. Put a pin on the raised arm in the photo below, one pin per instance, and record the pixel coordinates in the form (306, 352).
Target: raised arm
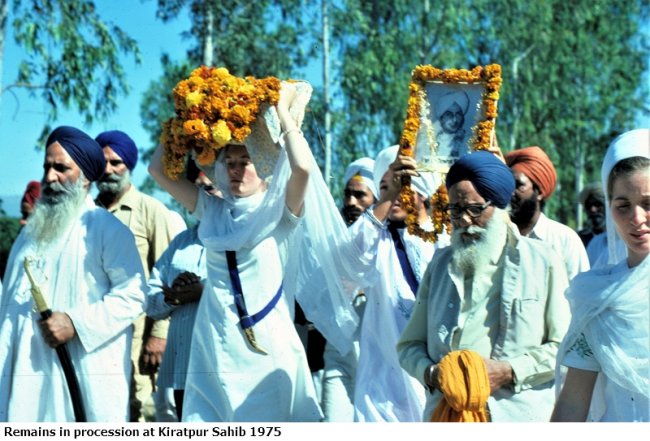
(391, 185)
(297, 150)
(184, 191)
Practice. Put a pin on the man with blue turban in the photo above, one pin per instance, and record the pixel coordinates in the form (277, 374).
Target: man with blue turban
(492, 292)
(86, 264)
(152, 225)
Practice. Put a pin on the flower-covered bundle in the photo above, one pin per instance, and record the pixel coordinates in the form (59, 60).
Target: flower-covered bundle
(213, 109)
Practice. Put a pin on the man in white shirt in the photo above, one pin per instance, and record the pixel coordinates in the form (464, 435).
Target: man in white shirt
(535, 179)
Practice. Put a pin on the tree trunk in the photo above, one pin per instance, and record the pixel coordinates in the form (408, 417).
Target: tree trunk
(208, 32)
(326, 97)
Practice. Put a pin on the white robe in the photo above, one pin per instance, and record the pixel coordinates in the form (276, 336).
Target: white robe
(227, 379)
(92, 273)
(383, 390)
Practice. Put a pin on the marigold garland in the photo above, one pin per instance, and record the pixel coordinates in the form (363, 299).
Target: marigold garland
(490, 76)
(213, 108)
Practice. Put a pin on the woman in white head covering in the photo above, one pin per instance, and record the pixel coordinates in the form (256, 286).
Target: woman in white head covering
(607, 346)
(267, 240)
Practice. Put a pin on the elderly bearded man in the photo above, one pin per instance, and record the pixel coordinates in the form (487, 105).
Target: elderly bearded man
(88, 268)
(493, 292)
(152, 226)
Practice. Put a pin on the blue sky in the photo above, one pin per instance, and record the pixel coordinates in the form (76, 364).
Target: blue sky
(22, 118)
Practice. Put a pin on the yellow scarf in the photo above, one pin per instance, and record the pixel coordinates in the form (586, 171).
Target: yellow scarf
(465, 385)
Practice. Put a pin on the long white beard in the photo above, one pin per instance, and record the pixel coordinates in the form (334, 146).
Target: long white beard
(472, 255)
(53, 215)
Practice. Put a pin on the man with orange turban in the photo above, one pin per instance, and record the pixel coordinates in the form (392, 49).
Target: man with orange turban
(535, 179)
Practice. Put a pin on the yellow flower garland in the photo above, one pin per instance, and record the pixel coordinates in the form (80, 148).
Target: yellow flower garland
(489, 75)
(213, 108)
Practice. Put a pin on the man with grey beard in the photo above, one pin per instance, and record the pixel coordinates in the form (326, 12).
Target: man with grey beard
(86, 264)
(151, 224)
(493, 293)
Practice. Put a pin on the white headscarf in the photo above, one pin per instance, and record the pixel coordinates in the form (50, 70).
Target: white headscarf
(629, 144)
(362, 167)
(609, 304)
(423, 184)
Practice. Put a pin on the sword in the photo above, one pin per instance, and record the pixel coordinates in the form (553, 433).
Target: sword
(61, 350)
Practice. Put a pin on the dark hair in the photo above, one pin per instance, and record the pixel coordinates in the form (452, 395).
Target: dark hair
(625, 167)
(192, 171)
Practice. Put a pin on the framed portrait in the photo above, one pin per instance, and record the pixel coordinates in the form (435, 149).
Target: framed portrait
(450, 112)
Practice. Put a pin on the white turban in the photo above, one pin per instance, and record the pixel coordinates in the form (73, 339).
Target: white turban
(447, 100)
(423, 184)
(362, 167)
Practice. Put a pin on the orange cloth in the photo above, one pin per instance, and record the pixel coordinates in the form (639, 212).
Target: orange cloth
(464, 382)
(536, 165)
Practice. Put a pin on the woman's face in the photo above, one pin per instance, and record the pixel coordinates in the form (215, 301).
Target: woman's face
(241, 172)
(630, 205)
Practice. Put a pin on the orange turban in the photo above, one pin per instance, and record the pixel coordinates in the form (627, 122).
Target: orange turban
(536, 165)
(465, 387)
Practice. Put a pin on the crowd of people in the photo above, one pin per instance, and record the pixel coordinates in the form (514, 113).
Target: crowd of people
(507, 318)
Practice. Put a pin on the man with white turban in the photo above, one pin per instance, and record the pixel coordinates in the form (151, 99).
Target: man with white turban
(87, 266)
(360, 189)
(383, 391)
(535, 178)
(493, 293)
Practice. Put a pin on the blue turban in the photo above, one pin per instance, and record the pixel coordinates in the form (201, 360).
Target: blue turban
(83, 150)
(121, 144)
(490, 176)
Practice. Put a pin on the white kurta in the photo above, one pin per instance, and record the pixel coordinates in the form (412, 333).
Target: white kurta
(565, 242)
(92, 273)
(227, 379)
(383, 390)
(610, 334)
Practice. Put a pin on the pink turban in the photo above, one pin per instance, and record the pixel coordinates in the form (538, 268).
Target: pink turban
(536, 165)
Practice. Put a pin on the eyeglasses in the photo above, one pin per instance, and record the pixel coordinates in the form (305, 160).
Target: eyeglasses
(472, 210)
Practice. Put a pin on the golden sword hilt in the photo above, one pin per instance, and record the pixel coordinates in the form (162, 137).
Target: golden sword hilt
(37, 294)
(250, 336)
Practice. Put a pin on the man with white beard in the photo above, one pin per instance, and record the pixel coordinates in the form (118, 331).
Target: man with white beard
(493, 294)
(151, 224)
(87, 266)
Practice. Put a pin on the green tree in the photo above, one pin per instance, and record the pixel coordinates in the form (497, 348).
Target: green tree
(9, 229)
(572, 73)
(249, 38)
(73, 57)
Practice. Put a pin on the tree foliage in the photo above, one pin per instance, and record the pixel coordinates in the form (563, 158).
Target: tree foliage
(72, 56)
(572, 72)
